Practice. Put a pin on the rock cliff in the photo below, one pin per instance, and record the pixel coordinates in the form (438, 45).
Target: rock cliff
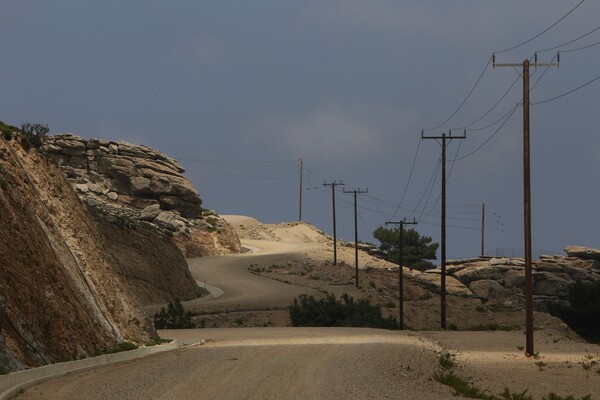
(80, 258)
(141, 184)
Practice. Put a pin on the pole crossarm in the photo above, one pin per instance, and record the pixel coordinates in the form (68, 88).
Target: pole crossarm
(333, 184)
(355, 192)
(400, 266)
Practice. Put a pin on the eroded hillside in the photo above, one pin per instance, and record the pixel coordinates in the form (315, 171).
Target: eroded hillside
(76, 269)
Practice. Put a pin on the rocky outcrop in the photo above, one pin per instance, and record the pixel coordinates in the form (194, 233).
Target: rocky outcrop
(141, 184)
(137, 176)
(583, 252)
(502, 280)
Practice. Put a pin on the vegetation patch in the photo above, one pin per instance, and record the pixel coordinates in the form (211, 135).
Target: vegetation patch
(157, 341)
(329, 311)
(461, 386)
(174, 317)
(123, 346)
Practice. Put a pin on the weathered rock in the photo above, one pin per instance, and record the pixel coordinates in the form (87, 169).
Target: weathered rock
(150, 213)
(489, 289)
(169, 220)
(138, 174)
(583, 252)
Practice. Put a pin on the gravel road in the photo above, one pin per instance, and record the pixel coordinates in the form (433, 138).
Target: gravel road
(268, 363)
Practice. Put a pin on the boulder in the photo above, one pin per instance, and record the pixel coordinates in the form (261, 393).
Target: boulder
(489, 289)
(169, 220)
(583, 252)
(150, 213)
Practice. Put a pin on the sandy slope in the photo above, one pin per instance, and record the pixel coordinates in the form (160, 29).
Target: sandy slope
(324, 363)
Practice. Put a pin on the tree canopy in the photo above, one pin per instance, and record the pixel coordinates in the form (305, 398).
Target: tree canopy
(416, 248)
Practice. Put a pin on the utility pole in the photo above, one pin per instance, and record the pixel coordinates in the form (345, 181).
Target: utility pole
(482, 229)
(527, 196)
(355, 192)
(444, 139)
(333, 185)
(300, 202)
(400, 271)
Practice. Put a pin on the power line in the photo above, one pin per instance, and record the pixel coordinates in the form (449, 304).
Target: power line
(412, 168)
(242, 175)
(489, 111)
(491, 136)
(566, 93)
(581, 48)
(433, 177)
(466, 98)
(570, 41)
(544, 31)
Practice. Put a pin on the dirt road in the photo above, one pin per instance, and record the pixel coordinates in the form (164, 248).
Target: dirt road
(266, 363)
(242, 290)
(324, 363)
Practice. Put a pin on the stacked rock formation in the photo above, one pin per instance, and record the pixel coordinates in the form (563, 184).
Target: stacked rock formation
(134, 182)
(133, 175)
(501, 280)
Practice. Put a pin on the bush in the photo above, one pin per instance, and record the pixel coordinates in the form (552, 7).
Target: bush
(307, 311)
(582, 310)
(35, 133)
(124, 346)
(174, 317)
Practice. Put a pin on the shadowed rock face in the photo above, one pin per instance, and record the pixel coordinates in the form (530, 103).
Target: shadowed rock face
(132, 175)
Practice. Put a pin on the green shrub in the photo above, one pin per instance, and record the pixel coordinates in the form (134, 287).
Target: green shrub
(307, 311)
(7, 134)
(582, 310)
(4, 371)
(461, 386)
(124, 346)
(35, 133)
(174, 317)
(446, 360)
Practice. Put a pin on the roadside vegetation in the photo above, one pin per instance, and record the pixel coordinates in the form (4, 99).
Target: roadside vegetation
(465, 388)
(174, 317)
(331, 312)
(416, 249)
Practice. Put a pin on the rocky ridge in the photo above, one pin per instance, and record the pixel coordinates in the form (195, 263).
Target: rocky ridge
(141, 184)
(501, 280)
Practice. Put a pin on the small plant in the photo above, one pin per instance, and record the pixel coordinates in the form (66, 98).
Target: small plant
(461, 386)
(124, 346)
(390, 304)
(554, 396)
(212, 221)
(507, 394)
(4, 371)
(157, 341)
(446, 360)
(520, 348)
(587, 363)
(540, 365)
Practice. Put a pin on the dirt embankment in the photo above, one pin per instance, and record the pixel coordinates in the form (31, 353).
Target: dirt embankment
(72, 282)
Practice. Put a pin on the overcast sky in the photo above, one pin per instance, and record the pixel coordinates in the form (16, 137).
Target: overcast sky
(240, 90)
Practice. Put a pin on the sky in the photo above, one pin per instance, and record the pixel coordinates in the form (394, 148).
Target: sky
(239, 91)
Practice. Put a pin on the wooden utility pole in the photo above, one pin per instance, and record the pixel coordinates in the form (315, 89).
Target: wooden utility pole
(527, 198)
(333, 185)
(482, 229)
(443, 139)
(400, 270)
(300, 202)
(355, 192)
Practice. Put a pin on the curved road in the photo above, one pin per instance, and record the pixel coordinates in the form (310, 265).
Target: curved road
(242, 290)
(260, 363)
